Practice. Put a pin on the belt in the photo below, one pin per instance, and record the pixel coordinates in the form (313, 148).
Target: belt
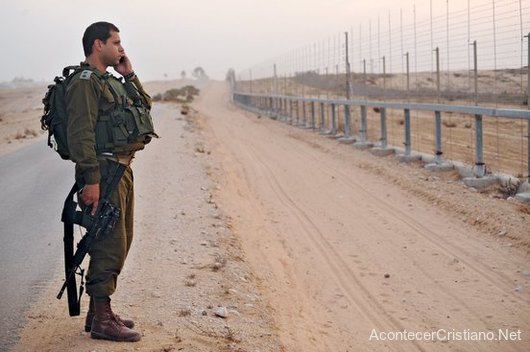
(125, 159)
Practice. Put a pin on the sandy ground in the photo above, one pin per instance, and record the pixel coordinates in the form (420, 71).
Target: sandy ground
(309, 244)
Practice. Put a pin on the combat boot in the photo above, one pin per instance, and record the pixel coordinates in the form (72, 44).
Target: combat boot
(108, 326)
(92, 311)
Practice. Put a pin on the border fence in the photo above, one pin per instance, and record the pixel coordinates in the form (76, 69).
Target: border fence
(456, 85)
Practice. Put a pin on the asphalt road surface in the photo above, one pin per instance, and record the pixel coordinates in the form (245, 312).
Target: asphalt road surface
(34, 182)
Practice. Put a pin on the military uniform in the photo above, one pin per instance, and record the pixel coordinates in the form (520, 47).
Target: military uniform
(107, 123)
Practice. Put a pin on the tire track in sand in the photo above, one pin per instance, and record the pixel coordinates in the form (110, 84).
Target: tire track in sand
(339, 269)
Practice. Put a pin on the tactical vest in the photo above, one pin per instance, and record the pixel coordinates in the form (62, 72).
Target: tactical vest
(124, 123)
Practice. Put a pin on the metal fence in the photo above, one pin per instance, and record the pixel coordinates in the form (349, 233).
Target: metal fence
(456, 83)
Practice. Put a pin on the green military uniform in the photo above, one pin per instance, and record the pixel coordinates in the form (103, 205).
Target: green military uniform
(107, 124)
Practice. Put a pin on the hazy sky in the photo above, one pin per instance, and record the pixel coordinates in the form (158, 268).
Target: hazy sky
(164, 37)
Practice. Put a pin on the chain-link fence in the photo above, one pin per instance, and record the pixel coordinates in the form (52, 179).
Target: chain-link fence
(476, 55)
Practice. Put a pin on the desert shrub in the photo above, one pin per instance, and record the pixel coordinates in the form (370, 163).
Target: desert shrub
(181, 95)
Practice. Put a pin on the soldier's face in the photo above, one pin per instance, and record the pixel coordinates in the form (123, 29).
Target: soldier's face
(112, 51)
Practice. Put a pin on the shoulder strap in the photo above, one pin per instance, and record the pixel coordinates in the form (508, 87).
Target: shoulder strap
(67, 69)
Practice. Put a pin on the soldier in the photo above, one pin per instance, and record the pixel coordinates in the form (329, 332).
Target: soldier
(108, 121)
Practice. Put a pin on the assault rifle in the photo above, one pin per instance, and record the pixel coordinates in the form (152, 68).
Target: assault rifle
(96, 225)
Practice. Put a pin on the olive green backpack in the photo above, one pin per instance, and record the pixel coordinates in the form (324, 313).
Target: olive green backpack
(54, 120)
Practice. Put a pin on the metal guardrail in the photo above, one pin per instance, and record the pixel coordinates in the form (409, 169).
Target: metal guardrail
(281, 106)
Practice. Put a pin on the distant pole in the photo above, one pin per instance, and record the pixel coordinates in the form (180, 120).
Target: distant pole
(347, 118)
(348, 73)
(437, 51)
(475, 70)
(408, 74)
(384, 78)
(479, 142)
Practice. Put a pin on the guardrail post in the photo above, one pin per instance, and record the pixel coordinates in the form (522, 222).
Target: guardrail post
(479, 162)
(481, 181)
(363, 143)
(333, 120)
(304, 117)
(363, 129)
(438, 137)
(290, 114)
(322, 117)
(407, 156)
(384, 141)
(312, 115)
(382, 149)
(439, 164)
(284, 108)
(297, 113)
(346, 139)
(407, 132)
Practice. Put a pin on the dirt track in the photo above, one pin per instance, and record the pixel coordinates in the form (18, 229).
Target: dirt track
(343, 251)
(312, 246)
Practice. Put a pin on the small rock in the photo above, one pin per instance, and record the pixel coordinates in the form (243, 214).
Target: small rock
(387, 276)
(526, 272)
(502, 233)
(204, 243)
(221, 312)
(204, 313)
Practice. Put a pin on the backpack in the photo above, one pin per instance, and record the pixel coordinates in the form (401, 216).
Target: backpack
(55, 120)
(125, 125)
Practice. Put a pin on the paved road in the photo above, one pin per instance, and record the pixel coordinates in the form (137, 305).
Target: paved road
(33, 184)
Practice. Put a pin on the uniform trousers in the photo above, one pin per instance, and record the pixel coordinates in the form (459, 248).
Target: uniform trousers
(108, 252)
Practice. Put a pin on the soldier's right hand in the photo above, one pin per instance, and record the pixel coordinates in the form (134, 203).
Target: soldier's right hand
(90, 196)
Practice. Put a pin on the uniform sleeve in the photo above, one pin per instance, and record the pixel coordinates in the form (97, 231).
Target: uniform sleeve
(82, 102)
(140, 88)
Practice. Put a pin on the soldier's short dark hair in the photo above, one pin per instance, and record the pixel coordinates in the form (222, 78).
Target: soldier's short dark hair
(97, 30)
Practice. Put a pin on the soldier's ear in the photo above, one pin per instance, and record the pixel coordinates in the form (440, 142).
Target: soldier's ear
(98, 44)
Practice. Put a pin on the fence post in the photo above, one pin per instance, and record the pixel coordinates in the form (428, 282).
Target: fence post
(407, 155)
(479, 157)
(524, 194)
(347, 139)
(439, 164)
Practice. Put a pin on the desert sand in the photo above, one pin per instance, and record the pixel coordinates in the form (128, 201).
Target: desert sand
(308, 244)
